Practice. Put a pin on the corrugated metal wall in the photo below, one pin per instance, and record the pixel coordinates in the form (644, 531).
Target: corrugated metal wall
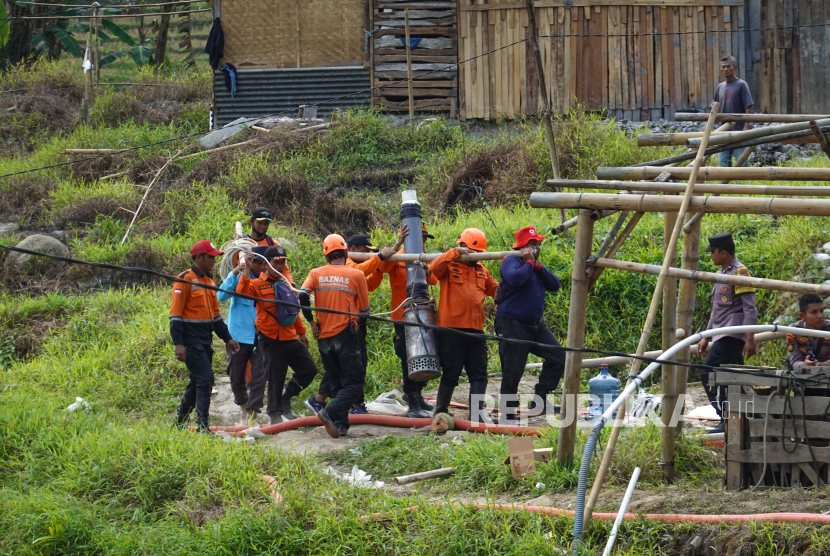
(266, 92)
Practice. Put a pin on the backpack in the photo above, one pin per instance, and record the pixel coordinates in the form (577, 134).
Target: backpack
(286, 315)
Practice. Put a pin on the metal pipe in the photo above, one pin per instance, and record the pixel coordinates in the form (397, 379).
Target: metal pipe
(621, 514)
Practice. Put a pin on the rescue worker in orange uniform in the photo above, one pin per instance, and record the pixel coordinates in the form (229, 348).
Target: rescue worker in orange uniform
(418, 407)
(261, 219)
(194, 317)
(464, 285)
(338, 287)
(360, 243)
(282, 345)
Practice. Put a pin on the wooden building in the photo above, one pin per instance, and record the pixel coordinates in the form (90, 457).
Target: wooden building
(639, 60)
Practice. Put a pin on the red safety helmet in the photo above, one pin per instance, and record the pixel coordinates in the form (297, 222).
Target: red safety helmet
(474, 239)
(332, 243)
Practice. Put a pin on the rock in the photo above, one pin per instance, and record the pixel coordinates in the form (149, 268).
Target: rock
(826, 247)
(37, 242)
(822, 258)
(827, 302)
(8, 228)
(813, 279)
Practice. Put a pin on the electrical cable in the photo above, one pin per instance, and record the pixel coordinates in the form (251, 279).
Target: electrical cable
(812, 379)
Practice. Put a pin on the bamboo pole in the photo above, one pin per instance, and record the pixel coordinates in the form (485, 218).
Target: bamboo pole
(434, 474)
(738, 163)
(226, 147)
(146, 194)
(774, 118)
(568, 224)
(658, 203)
(715, 188)
(299, 42)
(822, 139)
(803, 136)
(668, 139)
(689, 259)
(576, 337)
(622, 360)
(714, 278)
(96, 51)
(669, 259)
(409, 68)
(737, 136)
(594, 271)
(669, 372)
(715, 173)
(543, 92)
(427, 257)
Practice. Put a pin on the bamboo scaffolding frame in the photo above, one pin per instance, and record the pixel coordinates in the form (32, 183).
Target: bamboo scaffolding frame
(715, 173)
(669, 260)
(716, 188)
(659, 203)
(771, 118)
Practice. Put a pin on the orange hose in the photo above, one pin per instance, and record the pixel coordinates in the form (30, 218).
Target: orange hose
(389, 421)
(676, 518)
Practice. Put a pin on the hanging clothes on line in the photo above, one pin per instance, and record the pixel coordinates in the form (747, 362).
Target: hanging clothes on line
(230, 78)
(215, 45)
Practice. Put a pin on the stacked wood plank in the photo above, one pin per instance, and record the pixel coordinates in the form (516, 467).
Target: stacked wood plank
(640, 61)
(434, 22)
(766, 440)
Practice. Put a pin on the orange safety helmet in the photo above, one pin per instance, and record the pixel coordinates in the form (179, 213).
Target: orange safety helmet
(474, 239)
(332, 243)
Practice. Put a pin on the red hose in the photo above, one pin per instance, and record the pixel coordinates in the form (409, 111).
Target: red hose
(676, 518)
(389, 421)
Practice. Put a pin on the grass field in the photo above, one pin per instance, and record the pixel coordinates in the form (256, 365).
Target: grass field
(119, 480)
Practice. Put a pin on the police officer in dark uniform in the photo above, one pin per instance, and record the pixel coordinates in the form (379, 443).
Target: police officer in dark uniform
(731, 306)
(807, 350)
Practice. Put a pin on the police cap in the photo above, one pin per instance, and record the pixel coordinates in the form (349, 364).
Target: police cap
(721, 241)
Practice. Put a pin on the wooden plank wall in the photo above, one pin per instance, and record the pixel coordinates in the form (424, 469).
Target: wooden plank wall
(653, 61)
(791, 67)
(435, 22)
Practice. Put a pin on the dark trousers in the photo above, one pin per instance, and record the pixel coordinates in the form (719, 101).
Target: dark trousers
(278, 357)
(514, 356)
(199, 362)
(253, 393)
(325, 383)
(726, 351)
(409, 386)
(343, 362)
(458, 352)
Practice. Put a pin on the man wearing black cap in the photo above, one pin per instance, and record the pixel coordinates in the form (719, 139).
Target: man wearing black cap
(731, 306)
(242, 326)
(261, 219)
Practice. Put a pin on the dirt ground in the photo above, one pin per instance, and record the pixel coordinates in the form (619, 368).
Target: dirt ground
(667, 499)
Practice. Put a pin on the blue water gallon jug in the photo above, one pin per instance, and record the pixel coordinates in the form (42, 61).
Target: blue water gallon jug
(604, 389)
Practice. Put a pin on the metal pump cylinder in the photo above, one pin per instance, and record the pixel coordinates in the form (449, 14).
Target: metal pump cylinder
(421, 343)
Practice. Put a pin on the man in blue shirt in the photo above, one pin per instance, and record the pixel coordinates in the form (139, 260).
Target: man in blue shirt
(242, 326)
(521, 306)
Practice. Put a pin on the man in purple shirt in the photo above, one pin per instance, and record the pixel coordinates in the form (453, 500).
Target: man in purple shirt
(731, 306)
(735, 98)
(521, 306)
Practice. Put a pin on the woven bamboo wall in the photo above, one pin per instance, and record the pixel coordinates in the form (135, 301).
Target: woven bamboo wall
(633, 75)
(263, 33)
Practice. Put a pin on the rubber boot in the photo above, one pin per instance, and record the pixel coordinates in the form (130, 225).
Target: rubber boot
(423, 403)
(181, 419)
(477, 388)
(416, 409)
(443, 398)
(548, 407)
(203, 422)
